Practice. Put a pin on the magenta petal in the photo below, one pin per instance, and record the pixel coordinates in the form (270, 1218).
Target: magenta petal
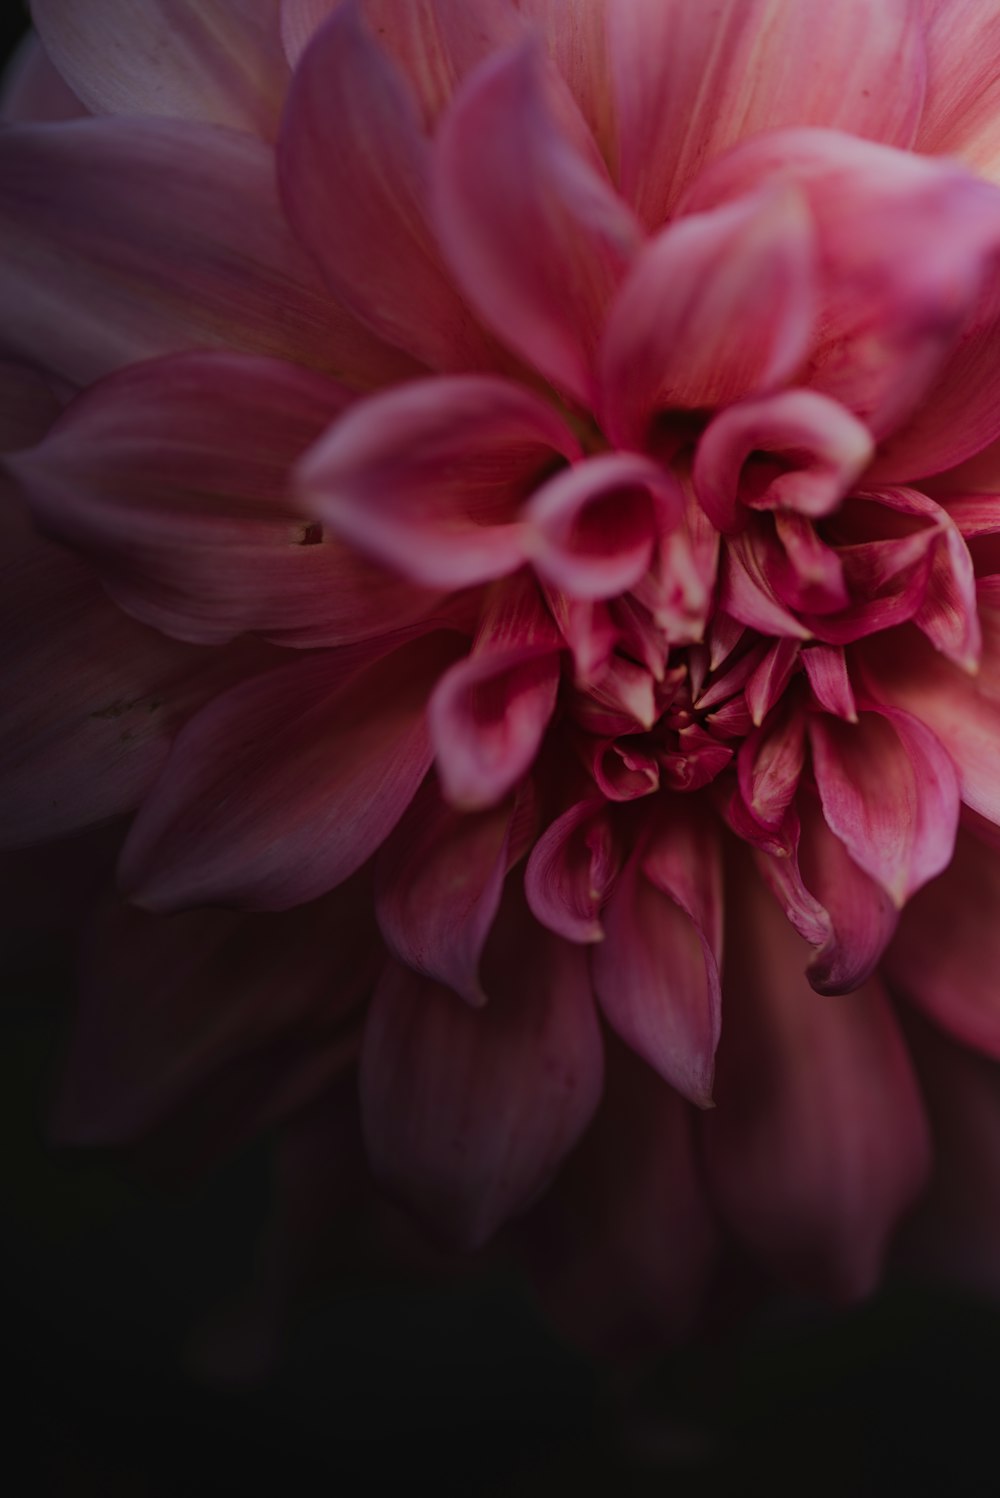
(571, 871)
(535, 233)
(826, 669)
(747, 591)
(148, 265)
(657, 973)
(467, 1112)
(690, 80)
(769, 765)
(890, 793)
(818, 447)
(489, 712)
(592, 528)
(439, 877)
(669, 338)
(354, 169)
(206, 60)
(819, 1142)
(286, 785)
(769, 679)
(189, 522)
(429, 478)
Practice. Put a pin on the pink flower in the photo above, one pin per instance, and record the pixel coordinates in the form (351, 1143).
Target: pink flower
(517, 486)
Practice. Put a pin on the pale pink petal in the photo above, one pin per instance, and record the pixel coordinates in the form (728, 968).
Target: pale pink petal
(219, 61)
(571, 871)
(489, 712)
(819, 1142)
(890, 792)
(354, 169)
(657, 973)
(286, 785)
(669, 341)
(468, 1112)
(575, 36)
(797, 451)
(429, 478)
(32, 91)
(592, 529)
(963, 82)
(439, 877)
(92, 700)
(691, 80)
(826, 668)
(534, 231)
(623, 1246)
(169, 1006)
(907, 250)
(189, 522)
(126, 255)
(946, 955)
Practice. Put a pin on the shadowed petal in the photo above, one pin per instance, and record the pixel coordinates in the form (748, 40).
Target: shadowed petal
(572, 867)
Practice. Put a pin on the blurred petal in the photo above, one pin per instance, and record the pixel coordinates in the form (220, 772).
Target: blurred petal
(32, 91)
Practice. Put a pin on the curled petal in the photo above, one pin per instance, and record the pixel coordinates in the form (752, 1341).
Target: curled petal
(429, 478)
(283, 787)
(769, 765)
(571, 871)
(748, 592)
(819, 1142)
(203, 60)
(657, 973)
(354, 170)
(535, 233)
(669, 341)
(467, 1113)
(148, 265)
(592, 528)
(806, 452)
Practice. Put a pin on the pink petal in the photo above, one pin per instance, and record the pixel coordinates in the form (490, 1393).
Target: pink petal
(747, 591)
(32, 91)
(669, 338)
(691, 80)
(147, 264)
(819, 1142)
(888, 320)
(592, 528)
(623, 1247)
(428, 478)
(769, 679)
(620, 698)
(535, 233)
(286, 785)
(468, 1112)
(354, 167)
(828, 676)
(657, 973)
(489, 712)
(624, 770)
(963, 67)
(769, 766)
(945, 957)
(218, 990)
(819, 450)
(575, 37)
(205, 60)
(572, 868)
(439, 878)
(807, 575)
(92, 700)
(189, 522)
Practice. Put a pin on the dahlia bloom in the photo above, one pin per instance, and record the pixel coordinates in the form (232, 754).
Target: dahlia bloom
(505, 495)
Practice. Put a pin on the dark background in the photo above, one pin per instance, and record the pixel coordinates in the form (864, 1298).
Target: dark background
(394, 1386)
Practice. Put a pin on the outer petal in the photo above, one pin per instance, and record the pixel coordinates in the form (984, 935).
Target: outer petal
(576, 39)
(173, 478)
(890, 792)
(691, 80)
(91, 699)
(946, 956)
(963, 92)
(285, 786)
(218, 61)
(572, 868)
(468, 1112)
(439, 878)
(354, 171)
(535, 233)
(170, 1006)
(32, 92)
(669, 341)
(819, 1140)
(657, 973)
(429, 478)
(125, 253)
